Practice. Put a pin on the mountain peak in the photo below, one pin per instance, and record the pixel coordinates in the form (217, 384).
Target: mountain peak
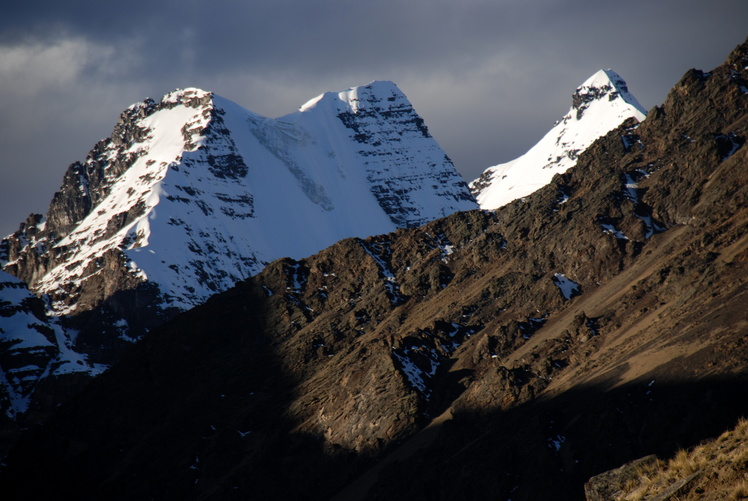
(185, 93)
(599, 105)
(191, 97)
(603, 85)
(193, 193)
(357, 98)
(602, 78)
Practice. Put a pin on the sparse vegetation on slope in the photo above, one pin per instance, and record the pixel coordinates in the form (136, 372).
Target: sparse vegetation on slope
(716, 469)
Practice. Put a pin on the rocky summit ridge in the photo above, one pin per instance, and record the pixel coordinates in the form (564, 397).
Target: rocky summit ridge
(599, 105)
(512, 354)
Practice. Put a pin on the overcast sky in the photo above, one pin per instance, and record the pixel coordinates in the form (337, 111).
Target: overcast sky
(488, 76)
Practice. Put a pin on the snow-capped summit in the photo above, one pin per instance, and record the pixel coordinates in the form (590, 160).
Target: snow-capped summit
(349, 99)
(193, 193)
(599, 105)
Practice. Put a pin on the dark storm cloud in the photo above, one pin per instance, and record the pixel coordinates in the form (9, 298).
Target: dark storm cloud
(489, 77)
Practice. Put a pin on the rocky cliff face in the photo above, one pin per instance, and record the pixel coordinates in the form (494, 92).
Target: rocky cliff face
(513, 353)
(599, 105)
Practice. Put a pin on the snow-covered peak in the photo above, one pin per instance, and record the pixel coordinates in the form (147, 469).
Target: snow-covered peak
(605, 85)
(603, 79)
(357, 98)
(599, 105)
(193, 193)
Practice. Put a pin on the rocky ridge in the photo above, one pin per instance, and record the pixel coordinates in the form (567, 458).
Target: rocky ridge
(515, 353)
